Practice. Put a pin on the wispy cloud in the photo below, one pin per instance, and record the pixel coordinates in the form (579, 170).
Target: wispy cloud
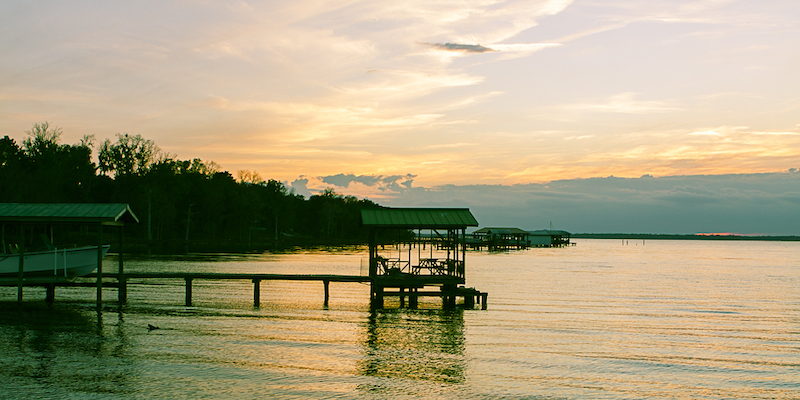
(622, 103)
(466, 48)
(371, 186)
(314, 88)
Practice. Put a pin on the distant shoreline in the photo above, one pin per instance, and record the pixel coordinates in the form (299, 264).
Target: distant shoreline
(653, 236)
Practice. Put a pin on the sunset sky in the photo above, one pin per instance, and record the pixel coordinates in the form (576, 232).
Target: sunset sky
(379, 98)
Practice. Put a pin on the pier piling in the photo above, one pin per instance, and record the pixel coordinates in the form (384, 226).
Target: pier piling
(188, 292)
(256, 293)
(326, 283)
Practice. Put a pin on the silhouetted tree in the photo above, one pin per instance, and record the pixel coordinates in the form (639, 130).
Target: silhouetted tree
(179, 202)
(129, 155)
(43, 170)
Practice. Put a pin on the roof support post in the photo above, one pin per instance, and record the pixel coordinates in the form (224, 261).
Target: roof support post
(21, 252)
(122, 294)
(373, 261)
(99, 267)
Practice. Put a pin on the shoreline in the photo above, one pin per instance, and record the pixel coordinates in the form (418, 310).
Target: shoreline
(655, 236)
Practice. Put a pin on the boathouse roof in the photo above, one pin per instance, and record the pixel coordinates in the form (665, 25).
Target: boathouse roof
(103, 213)
(410, 218)
(500, 231)
(547, 232)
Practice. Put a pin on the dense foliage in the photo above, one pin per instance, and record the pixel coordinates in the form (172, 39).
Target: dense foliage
(180, 203)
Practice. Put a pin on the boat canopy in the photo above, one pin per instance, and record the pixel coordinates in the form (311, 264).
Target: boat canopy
(116, 214)
(414, 218)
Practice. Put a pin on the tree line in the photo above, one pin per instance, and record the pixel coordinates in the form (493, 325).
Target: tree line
(181, 204)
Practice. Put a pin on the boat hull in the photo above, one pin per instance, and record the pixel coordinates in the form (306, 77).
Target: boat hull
(59, 263)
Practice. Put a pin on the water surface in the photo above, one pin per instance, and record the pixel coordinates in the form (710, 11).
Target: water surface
(602, 320)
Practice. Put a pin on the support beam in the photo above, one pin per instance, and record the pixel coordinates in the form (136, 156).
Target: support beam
(413, 299)
(469, 301)
(256, 293)
(327, 291)
(51, 293)
(99, 267)
(377, 301)
(188, 292)
(373, 266)
(21, 275)
(122, 293)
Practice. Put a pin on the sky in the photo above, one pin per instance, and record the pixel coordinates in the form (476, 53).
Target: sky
(665, 116)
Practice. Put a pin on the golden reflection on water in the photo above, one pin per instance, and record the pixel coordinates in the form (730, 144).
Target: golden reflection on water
(669, 320)
(406, 344)
(60, 348)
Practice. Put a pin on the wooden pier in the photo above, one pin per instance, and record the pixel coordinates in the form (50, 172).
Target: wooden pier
(404, 277)
(471, 296)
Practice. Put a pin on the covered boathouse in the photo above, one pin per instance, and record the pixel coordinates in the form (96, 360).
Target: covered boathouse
(515, 238)
(412, 249)
(27, 229)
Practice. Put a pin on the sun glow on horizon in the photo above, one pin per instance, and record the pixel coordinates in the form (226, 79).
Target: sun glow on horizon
(507, 93)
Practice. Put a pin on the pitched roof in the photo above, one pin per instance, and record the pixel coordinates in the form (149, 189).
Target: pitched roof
(418, 218)
(546, 232)
(67, 212)
(501, 231)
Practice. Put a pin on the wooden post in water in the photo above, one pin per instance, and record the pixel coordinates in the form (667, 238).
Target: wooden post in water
(99, 267)
(378, 300)
(469, 301)
(256, 293)
(326, 282)
(484, 296)
(188, 292)
(51, 293)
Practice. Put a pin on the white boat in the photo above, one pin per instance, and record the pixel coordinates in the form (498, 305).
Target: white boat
(57, 264)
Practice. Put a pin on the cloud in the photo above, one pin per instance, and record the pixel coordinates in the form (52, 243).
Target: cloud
(740, 203)
(622, 103)
(299, 186)
(367, 186)
(342, 180)
(466, 48)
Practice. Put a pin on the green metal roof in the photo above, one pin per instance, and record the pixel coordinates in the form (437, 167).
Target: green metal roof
(547, 232)
(67, 213)
(501, 231)
(418, 218)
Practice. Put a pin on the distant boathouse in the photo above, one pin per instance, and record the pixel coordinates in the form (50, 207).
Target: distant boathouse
(515, 238)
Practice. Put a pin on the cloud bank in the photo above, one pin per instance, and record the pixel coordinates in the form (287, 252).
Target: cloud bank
(467, 48)
(738, 203)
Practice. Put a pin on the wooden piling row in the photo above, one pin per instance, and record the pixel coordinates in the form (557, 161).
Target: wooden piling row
(449, 297)
(448, 293)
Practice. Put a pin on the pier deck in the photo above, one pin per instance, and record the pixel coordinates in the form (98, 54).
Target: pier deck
(412, 283)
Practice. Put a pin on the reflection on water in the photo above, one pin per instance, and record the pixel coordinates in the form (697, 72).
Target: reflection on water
(670, 320)
(405, 344)
(61, 348)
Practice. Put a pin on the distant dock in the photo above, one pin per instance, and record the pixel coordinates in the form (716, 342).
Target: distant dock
(498, 239)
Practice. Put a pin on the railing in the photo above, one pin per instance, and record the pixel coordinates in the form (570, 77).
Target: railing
(388, 266)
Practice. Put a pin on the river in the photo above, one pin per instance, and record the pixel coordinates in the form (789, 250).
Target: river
(604, 319)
